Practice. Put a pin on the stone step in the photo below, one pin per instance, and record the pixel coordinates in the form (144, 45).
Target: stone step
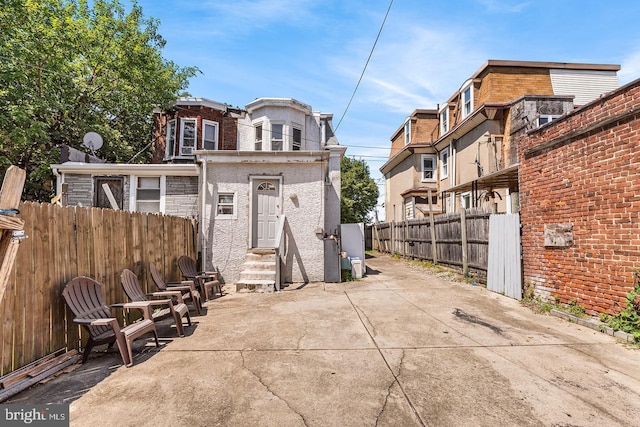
(265, 286)
(259, 265)
(257, 275)
(258, 257)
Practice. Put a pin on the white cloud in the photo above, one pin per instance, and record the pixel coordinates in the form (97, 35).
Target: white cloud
(630, 67)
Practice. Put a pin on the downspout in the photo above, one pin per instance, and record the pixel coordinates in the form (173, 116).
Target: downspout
(452, 180)
(203, 190)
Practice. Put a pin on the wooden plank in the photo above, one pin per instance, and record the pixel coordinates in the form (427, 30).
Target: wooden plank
(12, 185)
(463, 235)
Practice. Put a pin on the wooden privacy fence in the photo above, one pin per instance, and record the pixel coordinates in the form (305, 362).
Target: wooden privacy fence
(65, 242)
(459, 240)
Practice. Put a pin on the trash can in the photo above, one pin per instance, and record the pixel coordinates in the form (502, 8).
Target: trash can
(356, 268)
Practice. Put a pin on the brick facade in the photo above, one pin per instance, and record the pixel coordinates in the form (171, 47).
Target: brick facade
(582, 171)
(181, 197)
(227, 128)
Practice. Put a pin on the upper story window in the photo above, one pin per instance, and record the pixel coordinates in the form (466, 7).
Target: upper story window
(171, 139)
(407, 132)
(209, 135)
(467, 100)
(258, 136)
(546, 118)
(428, 167)
(444, 163)
(188, 132)
(296, 139)
(276, 136)
(444, 120)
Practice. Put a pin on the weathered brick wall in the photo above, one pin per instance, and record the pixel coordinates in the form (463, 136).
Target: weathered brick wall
(583, 170)
(227, 129)
(79, 190)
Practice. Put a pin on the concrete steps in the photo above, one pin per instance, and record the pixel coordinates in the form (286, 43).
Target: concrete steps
(258, 271)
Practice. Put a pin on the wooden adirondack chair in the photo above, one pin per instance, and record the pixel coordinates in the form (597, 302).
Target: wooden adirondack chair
(187, 288)
(132, 288)
(84, 297)
(207, 280)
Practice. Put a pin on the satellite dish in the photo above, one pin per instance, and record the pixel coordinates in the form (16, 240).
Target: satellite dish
(92, 141)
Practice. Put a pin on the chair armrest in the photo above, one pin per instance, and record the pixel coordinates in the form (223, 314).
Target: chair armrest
(176, 294)
(107, 321)
(145, 306)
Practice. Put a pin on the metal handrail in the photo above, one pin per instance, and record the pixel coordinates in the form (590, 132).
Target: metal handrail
(280, 249)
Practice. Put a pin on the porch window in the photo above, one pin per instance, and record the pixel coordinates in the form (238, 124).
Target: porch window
(148, 194)
(226, 205)
(465, 200)
(276, 136)
(258, 137)
(188, 134)
(209, 135)
(428, 167)
(296, 139)
(546, 118)
(444, 163)
(170, 144)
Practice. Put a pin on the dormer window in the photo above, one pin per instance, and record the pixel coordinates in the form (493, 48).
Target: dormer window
(407, 132)
(444, 119)
(467, 100)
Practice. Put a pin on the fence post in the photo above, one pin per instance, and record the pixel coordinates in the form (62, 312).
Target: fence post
(432, 228)
(463, 233)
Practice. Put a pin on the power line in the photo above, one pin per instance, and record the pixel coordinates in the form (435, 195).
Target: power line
(365, 65)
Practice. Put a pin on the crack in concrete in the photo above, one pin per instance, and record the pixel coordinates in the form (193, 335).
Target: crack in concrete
(244, 366)
(386, 400)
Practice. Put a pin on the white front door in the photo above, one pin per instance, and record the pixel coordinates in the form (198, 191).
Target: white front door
(266, 212)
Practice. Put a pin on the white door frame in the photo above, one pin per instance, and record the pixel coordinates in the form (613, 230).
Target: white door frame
(252, 180)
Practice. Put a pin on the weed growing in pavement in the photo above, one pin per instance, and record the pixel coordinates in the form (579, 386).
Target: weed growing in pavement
(627, 319)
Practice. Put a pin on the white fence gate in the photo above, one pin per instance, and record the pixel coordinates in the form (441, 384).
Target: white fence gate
(504, 270)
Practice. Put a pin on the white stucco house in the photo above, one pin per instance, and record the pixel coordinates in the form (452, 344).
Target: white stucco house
(264, 183)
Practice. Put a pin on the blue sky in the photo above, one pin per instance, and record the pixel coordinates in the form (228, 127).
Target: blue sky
(314, 51)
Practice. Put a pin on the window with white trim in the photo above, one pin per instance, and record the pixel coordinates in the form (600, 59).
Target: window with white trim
(209, 135)
(277, 136)
(148, 194)
(465, 200)
(408, 209)
(258, 137)
(444, 163)
(296, 139)
(467, 100)
(188, 136)
(226, 205)
(407, 131)
(171, 139)
(428, 169)
(546, 118)
(444, 120)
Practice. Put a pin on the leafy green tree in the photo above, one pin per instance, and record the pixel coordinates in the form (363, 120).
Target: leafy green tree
(68, 67)
(358, 191)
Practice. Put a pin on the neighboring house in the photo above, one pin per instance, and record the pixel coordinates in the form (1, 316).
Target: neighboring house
(249, 176)
(476, 144)
(579, 186)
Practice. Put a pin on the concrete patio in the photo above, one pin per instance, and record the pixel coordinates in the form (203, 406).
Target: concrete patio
(402, 347)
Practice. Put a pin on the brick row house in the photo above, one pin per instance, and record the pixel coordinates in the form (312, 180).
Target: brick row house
(248, 175)
(464, 152)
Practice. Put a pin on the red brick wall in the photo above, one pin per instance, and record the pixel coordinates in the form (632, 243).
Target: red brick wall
(593, 182)
(227, 128)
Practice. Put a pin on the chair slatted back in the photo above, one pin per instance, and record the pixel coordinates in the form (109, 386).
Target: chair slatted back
(157, 277)
(84, 297)
(187, 266)
(131, 286)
